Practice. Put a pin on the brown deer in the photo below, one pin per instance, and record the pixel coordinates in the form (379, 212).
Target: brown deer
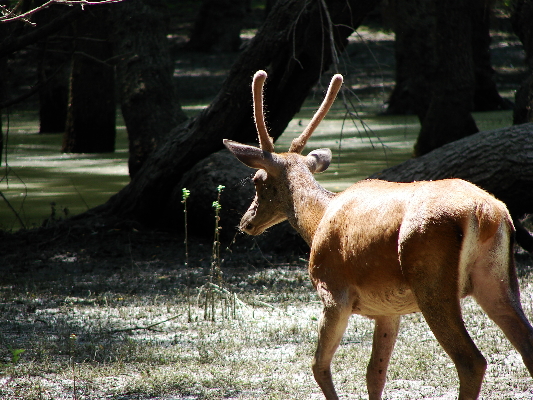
(383, 249)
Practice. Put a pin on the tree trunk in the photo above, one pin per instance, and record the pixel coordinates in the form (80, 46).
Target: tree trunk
(3, 95)
(53, 74)
(521, 19)
(149, 104)
(414, 22)
(91, 108)
(486, 96)
(414, 27)
(269, 5)
(218, 26)
(53, 71)
(448, 117)
(286, 46)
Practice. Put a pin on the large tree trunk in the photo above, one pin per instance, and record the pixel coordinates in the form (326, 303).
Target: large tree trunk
(414, 27)
(3, 95)
(486, 96)
(286, 47)
(149, 104)
(90, 126)
(218, 26)
(413, 22)
(53, 71)
(522, 24)
(53, 75)
(448, 117)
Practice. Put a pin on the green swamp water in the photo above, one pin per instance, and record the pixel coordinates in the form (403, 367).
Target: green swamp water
(37, 174)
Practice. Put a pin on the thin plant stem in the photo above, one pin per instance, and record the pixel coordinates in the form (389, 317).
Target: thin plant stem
(214, 271)
(186, 194)
(215, 262)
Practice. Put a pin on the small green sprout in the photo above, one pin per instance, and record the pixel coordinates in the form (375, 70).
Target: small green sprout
(16, 354)
(186, 193)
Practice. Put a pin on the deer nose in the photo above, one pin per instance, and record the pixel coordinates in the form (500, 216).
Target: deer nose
(247, 227)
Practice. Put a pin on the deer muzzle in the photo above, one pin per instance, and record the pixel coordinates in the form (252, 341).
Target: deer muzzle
(246, 227)
(249, 227)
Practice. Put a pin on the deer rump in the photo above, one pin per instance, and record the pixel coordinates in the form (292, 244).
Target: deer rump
(384, 249)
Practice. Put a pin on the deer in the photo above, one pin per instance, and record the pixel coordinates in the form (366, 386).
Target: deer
(384, 249)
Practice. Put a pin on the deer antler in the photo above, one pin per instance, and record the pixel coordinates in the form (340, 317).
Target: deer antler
(265, 141)
(298, 143)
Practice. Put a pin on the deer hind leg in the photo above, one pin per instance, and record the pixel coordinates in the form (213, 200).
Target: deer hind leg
(385, 334)
(443, 315)
(495, 288)
(332, 325)
(430, 260)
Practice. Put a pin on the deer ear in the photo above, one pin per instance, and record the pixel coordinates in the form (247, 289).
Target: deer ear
(318, 160)
(253, 157)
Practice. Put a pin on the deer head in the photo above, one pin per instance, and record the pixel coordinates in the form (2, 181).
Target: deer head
(279, 175)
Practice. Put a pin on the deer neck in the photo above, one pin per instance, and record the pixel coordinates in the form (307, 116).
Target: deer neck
(309, 203)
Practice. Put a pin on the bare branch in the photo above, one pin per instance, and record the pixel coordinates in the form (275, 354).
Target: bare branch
(15, 213)
(334, 55)
(12, 44)
(8, 18)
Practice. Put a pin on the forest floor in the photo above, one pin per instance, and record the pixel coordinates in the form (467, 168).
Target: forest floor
(116, 311)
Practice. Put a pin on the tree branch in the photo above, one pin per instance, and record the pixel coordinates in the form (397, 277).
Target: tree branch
(23, 16)
(14, 44)
(15, 213)
(10, 45)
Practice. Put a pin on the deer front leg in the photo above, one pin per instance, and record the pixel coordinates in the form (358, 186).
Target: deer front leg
(385, 334)
(331, 328)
